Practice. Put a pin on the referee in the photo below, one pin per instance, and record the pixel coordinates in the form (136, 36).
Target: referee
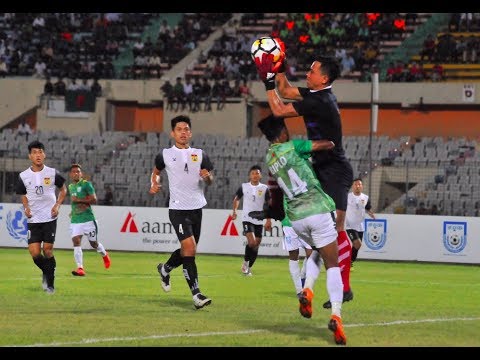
(318, 106)
(37, 186)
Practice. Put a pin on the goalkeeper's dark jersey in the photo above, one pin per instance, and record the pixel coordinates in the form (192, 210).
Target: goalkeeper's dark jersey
(321, 115)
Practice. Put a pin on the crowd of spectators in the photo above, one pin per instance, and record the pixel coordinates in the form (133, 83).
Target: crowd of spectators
(85, 45)
(423, 210)
(73, 45)
(60, 87)
(447, 48)
(155, 55)
(459, 44)
(190, 95)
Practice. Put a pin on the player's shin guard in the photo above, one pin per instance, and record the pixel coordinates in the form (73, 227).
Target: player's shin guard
(344, 258)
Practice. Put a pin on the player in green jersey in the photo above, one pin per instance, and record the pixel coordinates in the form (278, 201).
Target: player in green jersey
(310, 210)
(83, 222)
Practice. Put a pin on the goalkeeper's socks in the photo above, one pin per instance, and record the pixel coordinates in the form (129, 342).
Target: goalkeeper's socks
(344, 258)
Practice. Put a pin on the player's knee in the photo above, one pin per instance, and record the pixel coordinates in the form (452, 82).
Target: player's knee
(357, 244)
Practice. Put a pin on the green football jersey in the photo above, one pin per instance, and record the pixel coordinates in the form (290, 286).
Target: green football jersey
(286, 221)
(81, 190)
(290, 165)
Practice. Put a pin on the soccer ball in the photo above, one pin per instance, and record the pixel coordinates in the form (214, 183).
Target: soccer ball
(266, 44)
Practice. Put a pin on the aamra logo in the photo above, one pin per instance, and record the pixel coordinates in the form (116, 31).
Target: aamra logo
(229, 229)
(17, 225)
(129, 224)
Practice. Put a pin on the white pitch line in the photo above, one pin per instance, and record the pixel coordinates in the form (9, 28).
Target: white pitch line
(167, 336)
(151, 337)
(401, 322)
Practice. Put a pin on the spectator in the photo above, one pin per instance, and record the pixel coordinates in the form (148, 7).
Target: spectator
(348, 64)
(188, 90)
(236, 88)
(459, 55)
(108, 199)
(197, 94)
(390, 71)
(207, 94)
(59, 87)
(24, 129)
(428, 49)
(245, 91)
(400, 73)
(96, 88)
(48, 87)
(73, 85)
(38, 22)
(84, 85)
(3, 67)
(422, 210)
(40, 69)
(437, 72)
(167, 90)
(415, 72)
(154, 63)
(473, 46)
(179, 94)
(218, 92)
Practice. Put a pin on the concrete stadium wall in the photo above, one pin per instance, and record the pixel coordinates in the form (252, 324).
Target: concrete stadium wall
(18, 95)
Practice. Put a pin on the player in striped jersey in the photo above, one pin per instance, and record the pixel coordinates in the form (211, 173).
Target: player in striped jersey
(38, 186)
(189, 170)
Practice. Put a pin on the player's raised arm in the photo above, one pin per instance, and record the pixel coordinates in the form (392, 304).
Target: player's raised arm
(322, 145)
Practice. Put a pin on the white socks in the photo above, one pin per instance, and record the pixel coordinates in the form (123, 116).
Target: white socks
(78, 256)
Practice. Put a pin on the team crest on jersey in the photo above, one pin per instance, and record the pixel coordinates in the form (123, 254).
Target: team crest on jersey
(47, 181)
(259, 193)
(194, 157)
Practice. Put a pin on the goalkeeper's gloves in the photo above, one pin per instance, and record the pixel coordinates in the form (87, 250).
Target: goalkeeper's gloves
(280, 65)
(264, 69)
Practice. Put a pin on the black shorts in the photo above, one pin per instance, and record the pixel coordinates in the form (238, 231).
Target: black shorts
(186, 223)
(355, 235)
(256, 229)
(336, 179)
(42, 232)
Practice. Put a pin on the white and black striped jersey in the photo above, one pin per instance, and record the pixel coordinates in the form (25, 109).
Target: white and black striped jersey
(255, 198)
(184, 182)
(40, 187)
(356, 206)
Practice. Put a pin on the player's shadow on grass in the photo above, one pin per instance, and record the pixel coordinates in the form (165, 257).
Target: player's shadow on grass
(180, 302)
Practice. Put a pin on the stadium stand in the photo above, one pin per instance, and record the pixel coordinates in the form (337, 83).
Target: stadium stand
(439, 172)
